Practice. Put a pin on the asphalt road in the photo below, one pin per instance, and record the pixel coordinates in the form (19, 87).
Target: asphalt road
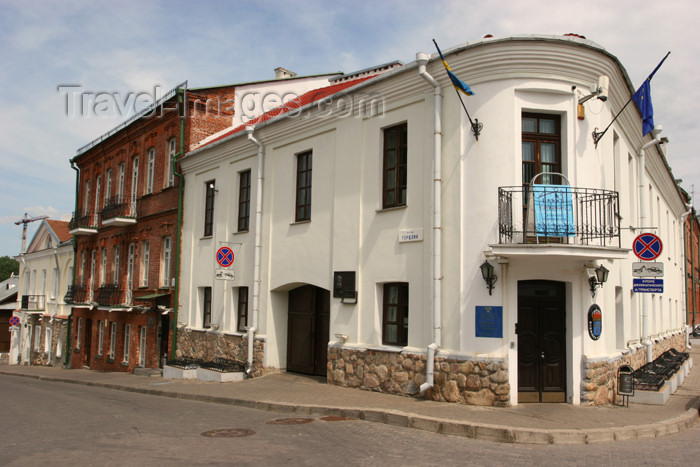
(45, 423)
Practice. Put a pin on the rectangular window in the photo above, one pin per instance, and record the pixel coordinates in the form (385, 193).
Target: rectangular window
(112, 340)
(395, 166)
(48, 338)
(209, 208)
(103, 268)
(150, 170)
(79, 333)
(108, 186)
(115, 271)
(206, 307)
(145, 263)
(120, 185)
(170, 180)
(541, 148)
(37, 337)
(130, 272)
(98, 185)
(142, 347)
(100, 336)
(395, 311)
(165, 262)
(244, 201)
(127, 340)
(134, 185)
(86, 204)
(242, 308)
(54, 284)
(303, 200)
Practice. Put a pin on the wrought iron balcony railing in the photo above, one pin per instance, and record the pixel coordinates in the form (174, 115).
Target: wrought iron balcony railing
(109, 294)
(558, 214)
(76, 294)
(83, 219)
(33, 302)
(118, 207)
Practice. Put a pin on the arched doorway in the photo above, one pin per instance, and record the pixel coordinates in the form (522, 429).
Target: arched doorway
(308, 323)
(541, 333)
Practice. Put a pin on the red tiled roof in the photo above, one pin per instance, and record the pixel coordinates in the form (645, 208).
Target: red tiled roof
(301, 101)
(60, 228)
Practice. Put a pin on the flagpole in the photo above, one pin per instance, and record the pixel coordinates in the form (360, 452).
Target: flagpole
(597, 135)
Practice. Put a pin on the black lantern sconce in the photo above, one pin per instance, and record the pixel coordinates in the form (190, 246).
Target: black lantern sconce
(488, 275)
(601, 276)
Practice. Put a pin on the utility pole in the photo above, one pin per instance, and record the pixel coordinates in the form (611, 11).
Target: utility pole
(26, 220)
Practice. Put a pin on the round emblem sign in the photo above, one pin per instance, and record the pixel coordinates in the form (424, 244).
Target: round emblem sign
(647, 246)
(224, 256)
(595, 322)
(14, 321)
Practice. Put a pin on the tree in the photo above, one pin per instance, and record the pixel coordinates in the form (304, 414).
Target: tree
(8, 266)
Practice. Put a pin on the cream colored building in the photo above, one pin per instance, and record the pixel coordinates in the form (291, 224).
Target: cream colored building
(45, 272)
(360, 223)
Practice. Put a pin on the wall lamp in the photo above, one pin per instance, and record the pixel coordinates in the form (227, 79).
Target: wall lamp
(488, 275)
(601, 276)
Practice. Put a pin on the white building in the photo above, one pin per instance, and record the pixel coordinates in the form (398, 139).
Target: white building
(45, 272)
(366, 269)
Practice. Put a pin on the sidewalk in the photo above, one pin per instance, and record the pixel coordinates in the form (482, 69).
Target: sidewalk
(525, 423)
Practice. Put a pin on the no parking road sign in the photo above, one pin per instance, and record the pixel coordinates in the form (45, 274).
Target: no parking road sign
(14, 321)
(647, 246)
(224, 256)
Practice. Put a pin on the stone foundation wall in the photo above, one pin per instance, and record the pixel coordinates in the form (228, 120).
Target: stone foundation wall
(599, 379)
(469, 382)
(206, 345)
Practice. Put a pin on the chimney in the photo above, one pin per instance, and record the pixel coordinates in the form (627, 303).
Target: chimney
(283, 73)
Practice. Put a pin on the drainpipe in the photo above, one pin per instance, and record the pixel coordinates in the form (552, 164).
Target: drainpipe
(66, 360)
(178, 229)
(258, 245)
(641, 168)
(422, 60)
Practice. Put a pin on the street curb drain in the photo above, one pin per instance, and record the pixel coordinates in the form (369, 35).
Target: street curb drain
(289, 421)
(228, 433)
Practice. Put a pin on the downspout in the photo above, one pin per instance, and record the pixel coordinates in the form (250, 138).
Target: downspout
(178, 229)
(422, 60)
(641, 168)
(66, 361)
(258, 246)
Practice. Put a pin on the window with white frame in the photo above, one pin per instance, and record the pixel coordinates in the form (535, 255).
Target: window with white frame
(54, 284)
(170, 180)
(100, 336)
(37, 337)
(82, 267)
(150, 170)
(165, 262)
(103, 268)
(112, 340)
(127, 337)
(142, 347)
(115, 271)
(98, 185)
(48, 338)
(93, 265)
(59, 348)
(134, 185)
(120, 183)
(145, 263)
(79, 334)
(86, 203)
(108, 186)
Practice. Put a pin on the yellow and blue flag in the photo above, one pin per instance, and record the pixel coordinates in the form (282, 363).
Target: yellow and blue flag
(456, 82)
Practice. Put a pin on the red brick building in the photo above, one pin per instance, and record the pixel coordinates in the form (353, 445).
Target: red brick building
(126, 230)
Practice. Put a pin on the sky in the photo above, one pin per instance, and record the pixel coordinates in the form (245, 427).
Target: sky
(51, 49)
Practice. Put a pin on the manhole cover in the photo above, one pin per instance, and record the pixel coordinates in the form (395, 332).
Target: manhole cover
(290, 421)
(228, 433)
(334, 418)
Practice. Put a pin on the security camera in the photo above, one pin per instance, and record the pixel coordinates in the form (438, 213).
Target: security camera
(603, 85)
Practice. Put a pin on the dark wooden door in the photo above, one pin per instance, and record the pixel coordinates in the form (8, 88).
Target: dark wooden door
(5, 330)
(307, 330)
(541, 332)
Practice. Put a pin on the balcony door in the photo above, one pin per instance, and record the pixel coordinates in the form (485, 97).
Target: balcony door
(541, 147)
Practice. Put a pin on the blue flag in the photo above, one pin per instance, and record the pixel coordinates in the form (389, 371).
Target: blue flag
(456, 82)
(642, 99)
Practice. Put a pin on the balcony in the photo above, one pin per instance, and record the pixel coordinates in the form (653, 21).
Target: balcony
(83, 223)
(558, 220)
(109, 295)
(118, 212)
(33, 302)
(76, 294)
